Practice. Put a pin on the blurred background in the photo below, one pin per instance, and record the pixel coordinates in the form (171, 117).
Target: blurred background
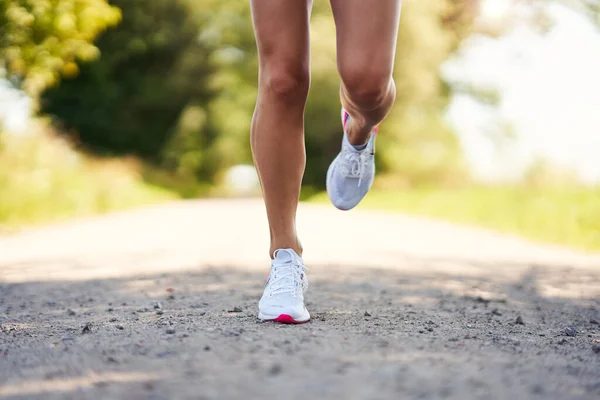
(106, 105)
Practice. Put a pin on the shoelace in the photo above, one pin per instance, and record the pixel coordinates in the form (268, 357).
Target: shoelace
(287, 278)
(356, 164)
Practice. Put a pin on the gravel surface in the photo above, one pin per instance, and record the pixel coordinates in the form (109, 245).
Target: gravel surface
(161, 303)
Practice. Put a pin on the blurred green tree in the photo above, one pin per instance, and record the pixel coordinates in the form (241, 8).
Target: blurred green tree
(130, 100)
(176, 84)
(42, 39)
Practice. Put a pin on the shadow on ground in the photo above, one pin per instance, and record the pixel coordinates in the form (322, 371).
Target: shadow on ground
(505, 331)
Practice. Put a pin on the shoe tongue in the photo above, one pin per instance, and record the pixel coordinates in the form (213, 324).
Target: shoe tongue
(284, 255)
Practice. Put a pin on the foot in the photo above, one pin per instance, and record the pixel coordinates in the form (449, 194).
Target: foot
(351, 174)
(283, 299)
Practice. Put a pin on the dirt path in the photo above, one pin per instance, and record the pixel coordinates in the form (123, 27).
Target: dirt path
(160, 303)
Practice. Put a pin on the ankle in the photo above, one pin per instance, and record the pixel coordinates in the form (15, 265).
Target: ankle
(289, 244)
(358, 132)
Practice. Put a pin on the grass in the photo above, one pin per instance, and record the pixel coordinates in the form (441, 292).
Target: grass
(43, 179)
(567, 216)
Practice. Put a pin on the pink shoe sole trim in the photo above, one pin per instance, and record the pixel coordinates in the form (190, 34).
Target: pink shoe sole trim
(287, 319)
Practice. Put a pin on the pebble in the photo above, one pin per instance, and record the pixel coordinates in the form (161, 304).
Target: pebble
(112, 320)
(170, 331)
(87, 328)
(166, 354)
(571, 331)
(110, 309)
(594, 321)
(520, 321)
(159, 312)
(495, 311)
(235, 310)
(157, 306)
(367, 314)
(275, 369)
(206, 348)
(71, 312)
(596, 348)
(120, 327)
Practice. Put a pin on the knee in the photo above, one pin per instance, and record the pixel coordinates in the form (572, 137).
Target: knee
(366, 85)
(287, 82)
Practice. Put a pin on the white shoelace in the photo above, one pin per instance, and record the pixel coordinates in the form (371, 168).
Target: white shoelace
(287, 278)
(356, 163)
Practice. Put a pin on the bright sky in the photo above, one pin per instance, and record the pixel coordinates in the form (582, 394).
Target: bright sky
(14, 108)
(550, 94)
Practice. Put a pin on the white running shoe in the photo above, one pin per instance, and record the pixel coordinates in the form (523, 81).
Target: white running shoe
(351, 174)
(283, 299)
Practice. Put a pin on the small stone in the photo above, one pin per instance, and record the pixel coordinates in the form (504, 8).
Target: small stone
(367, 314)
(119, 327)
(495, 311)
(275, 369)
(171, 297)
(112, 360)
(571, 331)
(594, 321)
(537, 389)
(519, 321)
(201, 313)
(110, 309)
(596, 348)
(71, 312)
(51, 303)
(159, 312)
(563, 341)
(235, 310)
(206, 348)
(113, 319)
(87, 328)
(170, 331)
(157, 306)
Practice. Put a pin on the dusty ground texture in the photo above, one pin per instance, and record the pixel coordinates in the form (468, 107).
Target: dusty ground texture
(160, 303)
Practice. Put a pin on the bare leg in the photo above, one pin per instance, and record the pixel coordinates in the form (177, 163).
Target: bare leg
(366, 46)
(277, 135)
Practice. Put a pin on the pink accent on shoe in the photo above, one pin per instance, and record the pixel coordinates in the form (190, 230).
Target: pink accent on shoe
(345, 119)
(287, 319)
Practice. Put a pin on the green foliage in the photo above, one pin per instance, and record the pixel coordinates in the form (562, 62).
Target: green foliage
(40, 39)
(129, 101)
(176, 84)
(566, 215)
(42, 178)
